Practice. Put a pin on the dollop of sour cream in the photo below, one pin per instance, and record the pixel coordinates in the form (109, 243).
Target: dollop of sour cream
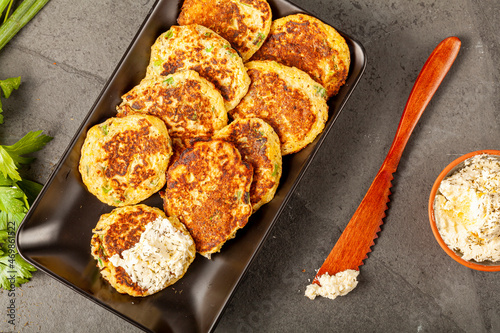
(161, 255)
(332, 286)
(467, 209)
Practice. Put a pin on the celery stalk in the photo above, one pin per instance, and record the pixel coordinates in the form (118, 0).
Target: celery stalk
(7, 13)
(3, 5)
(22, 15)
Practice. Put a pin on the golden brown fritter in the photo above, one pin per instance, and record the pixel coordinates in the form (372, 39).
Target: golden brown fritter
(307, 43)
(116, 232)
(243, 23)
(124, 160)
(189, 105)
(287, 99)
(208, 189)
(200, 49)
(121, 230)
(259, 145)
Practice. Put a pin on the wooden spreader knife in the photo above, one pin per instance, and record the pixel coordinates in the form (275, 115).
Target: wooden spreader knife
(358, 237)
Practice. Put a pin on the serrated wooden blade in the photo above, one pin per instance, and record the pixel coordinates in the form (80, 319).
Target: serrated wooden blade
(358, 237)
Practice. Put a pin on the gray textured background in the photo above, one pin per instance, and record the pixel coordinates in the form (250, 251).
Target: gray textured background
(408, 284)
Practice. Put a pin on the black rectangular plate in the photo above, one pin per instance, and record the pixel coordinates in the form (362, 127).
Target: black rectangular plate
(55, 235)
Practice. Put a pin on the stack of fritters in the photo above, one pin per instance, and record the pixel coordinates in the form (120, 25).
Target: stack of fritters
(288, 99)
(204, 51)
(307, 43)
(259, 146)
(221, 173)
(190, 106)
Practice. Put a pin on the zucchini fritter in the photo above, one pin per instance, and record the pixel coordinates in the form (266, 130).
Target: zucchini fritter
(258, 145)
(204, 51)
(307, 43)
(124, 160)
(167, 249)
(287, 99)
(243, 23)
(189, 105)
(208, 188)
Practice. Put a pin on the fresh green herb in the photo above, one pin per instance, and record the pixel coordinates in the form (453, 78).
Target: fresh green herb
(11, 156)
(169, 81)
(16, 196)
(215, 216)
(209, 49)
(194, 117)
(320, 91)
(334, 59)
(8, 86)
(19, 18)
(325, 43)
(169, 34)
(229, 50)
(154, 182)
(208, 34)
(3, 5)
(103, 251)
(106, 189)
(258, 132)
(276, 170)
(260, 38)
(104, 129)
(158, 62)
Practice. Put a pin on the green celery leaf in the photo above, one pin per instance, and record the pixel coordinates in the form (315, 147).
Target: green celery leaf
(31, 189)
(30, 143)
(15, 270)
(5, 217)
(8, 85)
(7, 165)
(17, 218)
(3, 236)
(12, 200)
(5, 181)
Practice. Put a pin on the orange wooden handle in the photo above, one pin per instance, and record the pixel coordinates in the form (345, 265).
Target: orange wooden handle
(432, 74)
